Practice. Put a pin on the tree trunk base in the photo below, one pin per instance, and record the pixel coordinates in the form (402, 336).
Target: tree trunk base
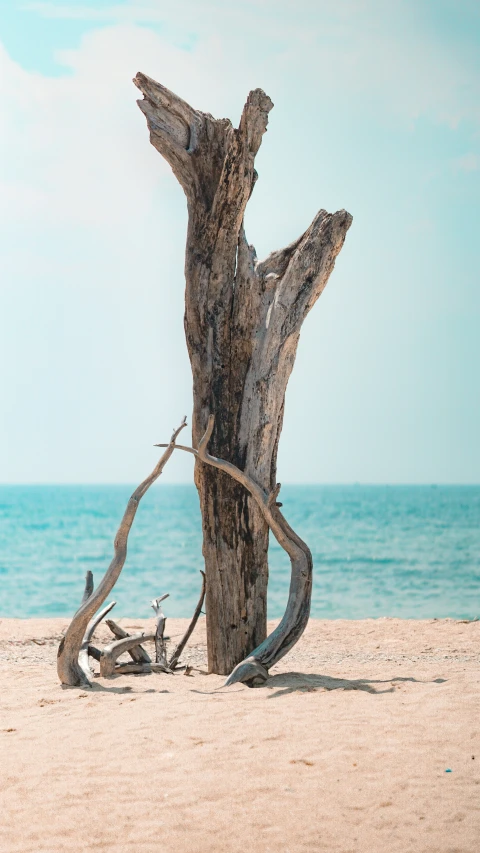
(236, 563)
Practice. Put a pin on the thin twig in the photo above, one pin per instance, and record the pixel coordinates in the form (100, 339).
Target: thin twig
(183, 642)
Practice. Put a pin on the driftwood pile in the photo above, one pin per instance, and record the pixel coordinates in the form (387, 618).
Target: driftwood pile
(76, 646)
(123, 642)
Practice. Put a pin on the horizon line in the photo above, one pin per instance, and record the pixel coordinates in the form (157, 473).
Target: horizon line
(353, 483)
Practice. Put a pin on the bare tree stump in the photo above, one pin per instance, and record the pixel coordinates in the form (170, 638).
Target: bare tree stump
(242, 324)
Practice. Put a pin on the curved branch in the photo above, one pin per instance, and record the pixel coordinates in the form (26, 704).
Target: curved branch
(68, 668)
(138, 653)
(113, 651)
(253, 670)
(87, 637)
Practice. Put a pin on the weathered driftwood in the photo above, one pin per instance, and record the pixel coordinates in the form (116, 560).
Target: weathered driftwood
(242, 322)
(113, 651)
(160, 648)
(138, 653)
(253, 670)
(173, 662)
(87, 638)
(94, 653)
(131, 668)
(69, 670)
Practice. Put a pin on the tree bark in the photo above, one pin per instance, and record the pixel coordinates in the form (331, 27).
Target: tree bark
(242, 325)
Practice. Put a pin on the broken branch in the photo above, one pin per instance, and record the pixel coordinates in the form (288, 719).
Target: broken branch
(118, 647)
(138, 653)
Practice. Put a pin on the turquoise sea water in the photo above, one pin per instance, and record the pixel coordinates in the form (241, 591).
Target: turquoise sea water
(409, 551)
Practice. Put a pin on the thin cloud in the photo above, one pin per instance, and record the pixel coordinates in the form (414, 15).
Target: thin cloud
(468, 163)
(386, 54)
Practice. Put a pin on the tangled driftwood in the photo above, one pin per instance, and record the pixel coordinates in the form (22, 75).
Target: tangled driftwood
(132, 643)
(76, 647)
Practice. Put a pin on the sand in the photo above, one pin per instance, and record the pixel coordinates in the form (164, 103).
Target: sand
(367, 738)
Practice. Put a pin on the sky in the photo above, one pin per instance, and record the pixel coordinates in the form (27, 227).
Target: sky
(377, 110)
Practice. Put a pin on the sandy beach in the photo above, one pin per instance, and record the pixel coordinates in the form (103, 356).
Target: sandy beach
(366, 738)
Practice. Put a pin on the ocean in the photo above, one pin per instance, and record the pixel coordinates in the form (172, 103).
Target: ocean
(407, 551)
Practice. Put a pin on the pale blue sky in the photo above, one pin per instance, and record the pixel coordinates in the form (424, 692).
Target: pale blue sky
(377, 109)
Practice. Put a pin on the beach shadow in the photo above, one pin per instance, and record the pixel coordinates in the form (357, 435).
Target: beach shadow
(291, 682)
(128, 691)
(101, 688)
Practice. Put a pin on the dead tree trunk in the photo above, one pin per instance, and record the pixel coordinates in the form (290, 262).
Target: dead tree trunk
(242, 325)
